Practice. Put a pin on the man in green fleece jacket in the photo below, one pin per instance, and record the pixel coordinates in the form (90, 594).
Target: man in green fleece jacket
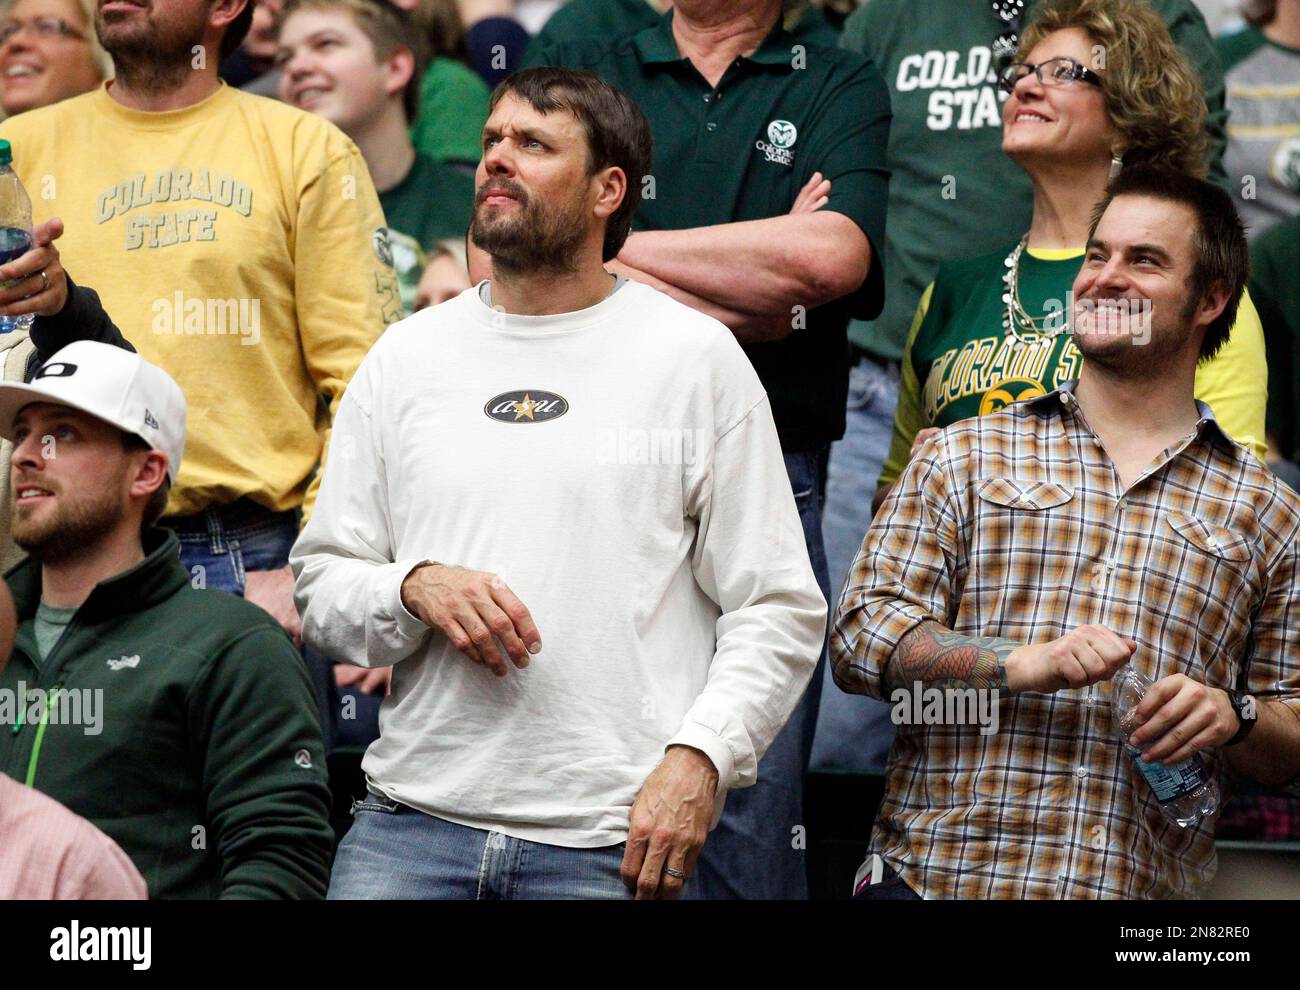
(179, 721)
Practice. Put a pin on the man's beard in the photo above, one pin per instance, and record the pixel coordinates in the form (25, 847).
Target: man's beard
(75, 529)
(1124, 356)
(540, 238)
(149, 57)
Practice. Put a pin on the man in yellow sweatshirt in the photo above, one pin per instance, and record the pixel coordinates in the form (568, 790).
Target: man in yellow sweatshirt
(239, 244)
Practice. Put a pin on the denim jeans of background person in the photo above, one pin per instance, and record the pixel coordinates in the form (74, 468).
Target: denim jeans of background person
(854, 732)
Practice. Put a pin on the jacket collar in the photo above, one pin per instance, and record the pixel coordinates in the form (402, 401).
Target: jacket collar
(137, 589)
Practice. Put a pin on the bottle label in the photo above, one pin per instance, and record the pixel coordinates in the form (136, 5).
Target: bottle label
(1171, 783)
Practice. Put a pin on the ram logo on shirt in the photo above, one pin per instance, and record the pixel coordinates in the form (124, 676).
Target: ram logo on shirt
(532, 405)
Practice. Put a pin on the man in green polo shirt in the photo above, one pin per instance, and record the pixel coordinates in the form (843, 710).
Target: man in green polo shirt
(952, 194)
(765, 209)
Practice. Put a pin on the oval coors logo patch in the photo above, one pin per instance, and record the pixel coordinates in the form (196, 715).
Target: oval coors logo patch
(530, 405)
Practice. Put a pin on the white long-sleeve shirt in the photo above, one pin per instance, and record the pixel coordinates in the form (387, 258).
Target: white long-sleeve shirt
(641, 512)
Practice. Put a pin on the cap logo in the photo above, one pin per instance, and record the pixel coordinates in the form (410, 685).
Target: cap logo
(56, 369)
(149, 421)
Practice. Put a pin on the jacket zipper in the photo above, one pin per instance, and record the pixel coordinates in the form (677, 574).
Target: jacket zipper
(40, 735)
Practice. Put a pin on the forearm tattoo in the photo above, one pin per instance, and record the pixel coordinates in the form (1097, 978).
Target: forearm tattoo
(939, 657)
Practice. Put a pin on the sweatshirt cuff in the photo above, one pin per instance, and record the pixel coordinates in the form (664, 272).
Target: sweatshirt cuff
(407, 625)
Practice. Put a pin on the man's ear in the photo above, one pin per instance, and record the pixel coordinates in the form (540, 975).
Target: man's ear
(1211, 305)
(150, 475)
(612, 184)
(224, 13)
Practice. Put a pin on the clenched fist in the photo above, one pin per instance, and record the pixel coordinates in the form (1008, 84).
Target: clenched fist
(1081, 657)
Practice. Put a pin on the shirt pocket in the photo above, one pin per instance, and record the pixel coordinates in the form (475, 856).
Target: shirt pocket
(1215, 541)
(1028, 496)
(1021, 556)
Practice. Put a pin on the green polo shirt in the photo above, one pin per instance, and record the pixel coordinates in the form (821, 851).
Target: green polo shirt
(742, 151)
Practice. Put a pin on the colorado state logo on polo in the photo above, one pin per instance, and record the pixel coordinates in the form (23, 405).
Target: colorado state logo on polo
(532, 405)
(781, 135)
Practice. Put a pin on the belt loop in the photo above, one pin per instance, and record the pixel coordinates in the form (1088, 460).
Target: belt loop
(216, 532)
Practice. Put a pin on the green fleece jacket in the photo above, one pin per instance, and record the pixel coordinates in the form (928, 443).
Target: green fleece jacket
(197, 746)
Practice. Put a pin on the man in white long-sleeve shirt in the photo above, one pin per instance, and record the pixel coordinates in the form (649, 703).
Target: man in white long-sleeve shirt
(557, 506)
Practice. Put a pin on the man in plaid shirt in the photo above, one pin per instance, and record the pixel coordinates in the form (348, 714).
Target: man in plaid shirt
(1033, 552)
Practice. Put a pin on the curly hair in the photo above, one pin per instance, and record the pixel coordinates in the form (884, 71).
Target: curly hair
(1153, 96)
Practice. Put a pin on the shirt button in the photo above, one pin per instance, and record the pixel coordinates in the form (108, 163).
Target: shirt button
(1081, 772)
(1213, 543)
(707, 98)
(711, 126)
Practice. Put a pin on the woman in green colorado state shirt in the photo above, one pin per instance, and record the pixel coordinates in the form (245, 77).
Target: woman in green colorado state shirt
(1110, 88)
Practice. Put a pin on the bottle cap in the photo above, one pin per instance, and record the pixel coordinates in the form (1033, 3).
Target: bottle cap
(6, 154)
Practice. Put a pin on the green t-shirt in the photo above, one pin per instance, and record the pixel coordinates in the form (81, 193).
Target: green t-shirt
(952, 192)
(584, 20)
(453, 109)
(742, 151)
(433, 201)
(48, 626)
(966, 364)
(1275, 266)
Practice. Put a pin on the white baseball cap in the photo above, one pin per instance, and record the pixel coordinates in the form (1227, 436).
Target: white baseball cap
(109, 383)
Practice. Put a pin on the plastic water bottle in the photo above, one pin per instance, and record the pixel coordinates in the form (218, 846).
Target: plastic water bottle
(1186, 792)
(15, 227)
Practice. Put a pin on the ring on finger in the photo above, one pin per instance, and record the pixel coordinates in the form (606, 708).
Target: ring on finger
(45, 280)
(677, 874)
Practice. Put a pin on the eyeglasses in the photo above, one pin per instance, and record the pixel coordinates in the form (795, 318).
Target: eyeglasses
(42, 27)
(1060, 71)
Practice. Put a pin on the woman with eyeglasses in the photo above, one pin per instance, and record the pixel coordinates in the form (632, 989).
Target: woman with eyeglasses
(48, 52)
(1096, 85)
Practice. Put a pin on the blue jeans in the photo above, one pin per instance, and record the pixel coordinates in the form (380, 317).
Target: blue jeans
(393, 852)
(757, 850)
(855, 732)
(220, 545)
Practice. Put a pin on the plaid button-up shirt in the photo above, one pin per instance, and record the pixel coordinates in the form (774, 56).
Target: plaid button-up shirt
(1016, 525)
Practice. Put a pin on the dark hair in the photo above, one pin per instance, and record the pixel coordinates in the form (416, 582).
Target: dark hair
(157, 504)
(236, 31)
(617, 132)
(1219, 239)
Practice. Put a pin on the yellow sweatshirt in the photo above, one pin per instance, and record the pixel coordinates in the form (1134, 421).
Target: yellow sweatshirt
(238, 243)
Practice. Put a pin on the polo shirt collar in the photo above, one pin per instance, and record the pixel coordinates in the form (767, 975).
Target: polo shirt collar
(656, 45)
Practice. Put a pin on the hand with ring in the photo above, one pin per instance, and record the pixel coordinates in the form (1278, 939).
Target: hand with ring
(668, 824)
(35, 281)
